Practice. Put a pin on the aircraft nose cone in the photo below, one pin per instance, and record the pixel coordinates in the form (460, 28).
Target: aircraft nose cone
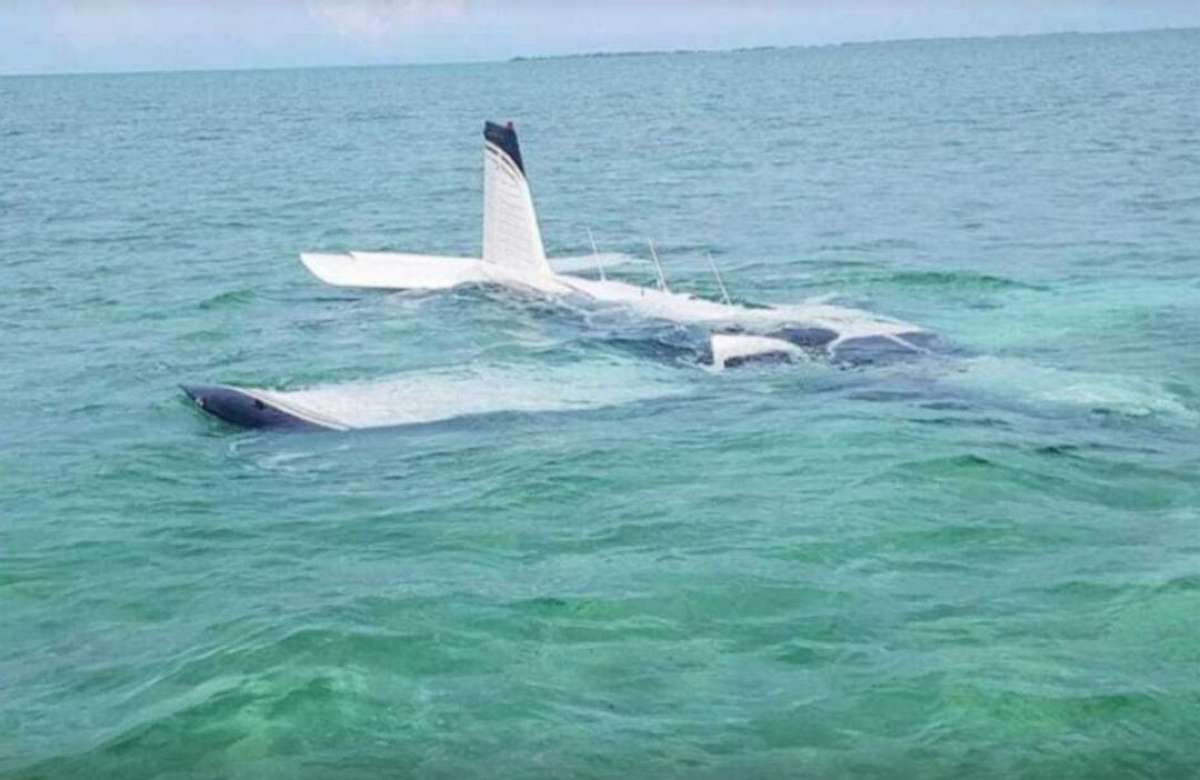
(242, 407)
(195, 392)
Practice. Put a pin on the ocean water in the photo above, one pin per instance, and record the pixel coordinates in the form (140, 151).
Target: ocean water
(588, 556)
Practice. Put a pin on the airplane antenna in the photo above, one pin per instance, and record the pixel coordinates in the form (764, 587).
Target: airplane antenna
(662, 279)
(724, 293)
(595, 254)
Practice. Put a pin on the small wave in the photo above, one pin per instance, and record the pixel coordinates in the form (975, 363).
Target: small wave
(957, 280)
(377, 115)
(204, 137)
(228, 299)
(1158, 204)
(884, 244)
(951, 281)
(1100, 393)
(1132, 399)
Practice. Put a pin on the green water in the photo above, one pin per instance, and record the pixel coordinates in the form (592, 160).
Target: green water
(984, 561)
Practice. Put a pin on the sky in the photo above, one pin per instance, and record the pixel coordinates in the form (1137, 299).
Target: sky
(55, 36)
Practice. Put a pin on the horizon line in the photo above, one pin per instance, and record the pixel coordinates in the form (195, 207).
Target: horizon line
(603, 53)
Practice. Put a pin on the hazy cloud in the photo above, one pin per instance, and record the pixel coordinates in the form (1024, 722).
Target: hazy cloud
(90, 35)
(376, 20)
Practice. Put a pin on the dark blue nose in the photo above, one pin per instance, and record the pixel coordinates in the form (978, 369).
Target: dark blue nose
(241, 408)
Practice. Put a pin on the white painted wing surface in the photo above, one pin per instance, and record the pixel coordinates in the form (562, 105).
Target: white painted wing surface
(394, 270)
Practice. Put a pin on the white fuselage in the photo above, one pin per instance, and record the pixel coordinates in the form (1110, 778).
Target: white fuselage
(395, 271)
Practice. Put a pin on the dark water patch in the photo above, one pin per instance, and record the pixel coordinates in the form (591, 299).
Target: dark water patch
(808, 338)
(1059, 450)
(968, 463)
(1086, 481)
(1189, 393)
(377, 115)
(545, 605)
(205, 336)
(229, 300)
(1091, 592)
(881, 245)
(993, 423)
(1086, 451)
(1187, 584)
(658, 349)
(109, 240)
(882, 395)
(947, 406)
(1040, 715)
(845, 262)
(1158, 204)
(320, 324)
(208, 534)
(951, 281)
(205, 136)
(34, 290)
(346, 298)
(228, 224)
(881, 350)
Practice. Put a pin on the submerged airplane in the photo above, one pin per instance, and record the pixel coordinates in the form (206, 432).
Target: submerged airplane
(513, 257)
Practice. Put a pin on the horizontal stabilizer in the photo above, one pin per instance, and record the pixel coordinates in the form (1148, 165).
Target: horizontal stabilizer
(394, 270)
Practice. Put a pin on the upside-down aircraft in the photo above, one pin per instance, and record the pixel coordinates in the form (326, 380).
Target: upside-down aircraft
(514, 257)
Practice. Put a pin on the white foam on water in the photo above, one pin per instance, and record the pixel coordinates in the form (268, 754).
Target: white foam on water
(445, 393)
(1112, 393)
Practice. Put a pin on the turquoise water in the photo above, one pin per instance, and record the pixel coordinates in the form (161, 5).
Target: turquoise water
(983, 561)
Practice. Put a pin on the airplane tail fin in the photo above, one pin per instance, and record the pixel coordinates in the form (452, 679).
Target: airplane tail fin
(511, 238)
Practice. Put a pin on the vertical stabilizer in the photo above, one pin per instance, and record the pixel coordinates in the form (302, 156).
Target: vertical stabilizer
(511, 238)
